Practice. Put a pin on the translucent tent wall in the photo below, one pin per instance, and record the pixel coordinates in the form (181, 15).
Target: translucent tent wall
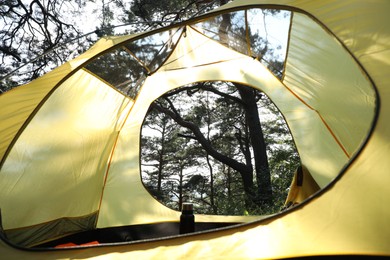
(70, 140)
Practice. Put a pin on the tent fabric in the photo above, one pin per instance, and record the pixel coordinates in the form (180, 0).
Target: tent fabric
(334, 97)
(302, 187)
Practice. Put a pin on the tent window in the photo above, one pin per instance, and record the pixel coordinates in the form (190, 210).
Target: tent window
(229, 29)
(261, 33)
(268, 33)
(178, 166)
(152, 51)
(119, 69)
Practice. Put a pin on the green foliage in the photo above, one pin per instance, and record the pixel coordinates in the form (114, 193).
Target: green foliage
(173, 10)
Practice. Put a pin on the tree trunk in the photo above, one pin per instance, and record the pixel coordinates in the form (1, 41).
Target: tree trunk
(181, 183)
(212, 203)
(263, 175)
(161, 162)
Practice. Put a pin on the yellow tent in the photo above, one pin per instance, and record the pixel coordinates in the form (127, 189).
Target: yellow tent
(69, 141)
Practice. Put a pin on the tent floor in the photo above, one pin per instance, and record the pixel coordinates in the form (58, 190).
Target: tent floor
(131, 233)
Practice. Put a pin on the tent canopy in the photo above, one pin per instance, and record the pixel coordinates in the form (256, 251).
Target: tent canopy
(69, 145)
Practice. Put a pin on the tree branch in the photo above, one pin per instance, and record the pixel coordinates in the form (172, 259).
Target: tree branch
(10, 52)
(187, 136)
(206, 87)
(240, 167)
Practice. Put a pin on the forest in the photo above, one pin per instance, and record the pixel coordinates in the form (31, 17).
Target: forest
(203, 143)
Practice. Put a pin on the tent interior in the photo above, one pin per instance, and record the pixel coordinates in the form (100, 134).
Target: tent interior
(70, 140)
